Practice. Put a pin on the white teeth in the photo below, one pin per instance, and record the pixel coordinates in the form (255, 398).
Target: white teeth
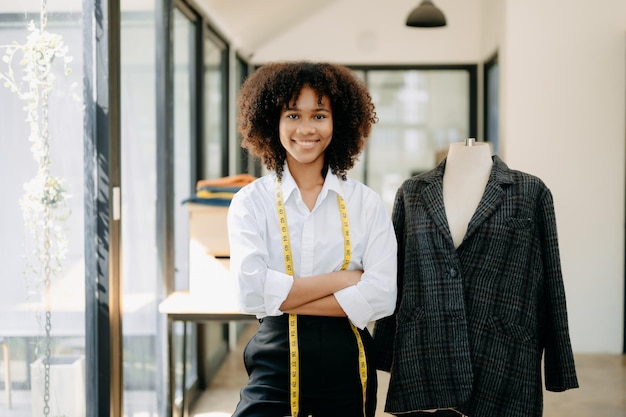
(306, 142)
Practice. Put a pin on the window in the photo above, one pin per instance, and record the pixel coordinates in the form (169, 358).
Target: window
(42, 302)
(245, 163)
(492, 103)
(185, 95)
(140, 278)
(420, 111)
(214, 143)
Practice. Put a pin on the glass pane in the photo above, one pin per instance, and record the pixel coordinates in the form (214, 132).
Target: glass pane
(214, 103)
(183, 106)
(42, 302)
(139, 251)
(245, 163)
(184, 181)
(358, 171)
(492, 105)
(420, 113)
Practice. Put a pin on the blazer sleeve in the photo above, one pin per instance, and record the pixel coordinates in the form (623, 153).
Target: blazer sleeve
(560, 373)
(385, 329)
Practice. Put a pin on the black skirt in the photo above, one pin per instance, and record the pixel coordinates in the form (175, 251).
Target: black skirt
(330, 385)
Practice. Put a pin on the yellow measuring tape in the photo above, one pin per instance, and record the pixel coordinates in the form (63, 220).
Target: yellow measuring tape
(293, 321)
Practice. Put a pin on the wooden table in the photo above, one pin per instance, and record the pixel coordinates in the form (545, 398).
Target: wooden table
(184, 307)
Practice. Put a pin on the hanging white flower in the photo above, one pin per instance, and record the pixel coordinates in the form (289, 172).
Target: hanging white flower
(44, 203)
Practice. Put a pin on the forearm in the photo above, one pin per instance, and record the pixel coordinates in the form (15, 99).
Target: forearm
(308, 289)
(326, 306)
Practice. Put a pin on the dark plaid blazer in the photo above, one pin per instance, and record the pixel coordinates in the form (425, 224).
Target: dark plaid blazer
(472, 324)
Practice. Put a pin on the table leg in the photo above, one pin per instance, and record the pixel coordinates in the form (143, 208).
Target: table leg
(184, 383)
(171, 395)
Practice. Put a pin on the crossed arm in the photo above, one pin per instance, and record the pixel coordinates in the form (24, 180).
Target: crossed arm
(313, 295)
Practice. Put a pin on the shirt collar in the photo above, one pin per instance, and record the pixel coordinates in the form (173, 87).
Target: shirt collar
(331, 183)
(288, 183)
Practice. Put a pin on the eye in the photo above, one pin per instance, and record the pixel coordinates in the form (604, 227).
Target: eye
(292, 116)
(320, 116)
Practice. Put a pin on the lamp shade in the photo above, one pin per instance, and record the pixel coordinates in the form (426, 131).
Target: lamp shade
(426, 15)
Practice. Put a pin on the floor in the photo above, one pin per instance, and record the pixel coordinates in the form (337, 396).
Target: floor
(602, 394)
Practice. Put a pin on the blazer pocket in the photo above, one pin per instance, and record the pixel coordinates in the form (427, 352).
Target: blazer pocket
(511, 330)
(411, 315)
(516, 223)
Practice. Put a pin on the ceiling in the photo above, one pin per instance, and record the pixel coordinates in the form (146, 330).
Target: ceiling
(250, 24)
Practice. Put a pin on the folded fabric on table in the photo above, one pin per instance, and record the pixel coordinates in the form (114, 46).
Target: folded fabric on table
(218, 192)
(238, 180)
(214, 196)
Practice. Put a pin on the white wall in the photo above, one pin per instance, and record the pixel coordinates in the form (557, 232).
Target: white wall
(563, 114)
(564, 110)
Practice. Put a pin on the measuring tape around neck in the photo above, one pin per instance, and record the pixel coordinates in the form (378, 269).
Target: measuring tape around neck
(294, 377)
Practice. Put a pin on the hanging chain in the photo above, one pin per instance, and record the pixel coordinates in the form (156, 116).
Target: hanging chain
(44, 15)
(47, 270)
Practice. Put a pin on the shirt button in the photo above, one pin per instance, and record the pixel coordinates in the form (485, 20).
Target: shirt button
(453, 272)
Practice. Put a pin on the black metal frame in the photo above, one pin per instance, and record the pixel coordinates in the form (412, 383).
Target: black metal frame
(165, 187)
(101, 22)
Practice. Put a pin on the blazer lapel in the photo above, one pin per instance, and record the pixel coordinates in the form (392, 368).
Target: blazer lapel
(432, 200)
(492, 197)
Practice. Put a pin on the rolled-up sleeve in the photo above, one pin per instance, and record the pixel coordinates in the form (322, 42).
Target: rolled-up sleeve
(261, 290)
(374, 297)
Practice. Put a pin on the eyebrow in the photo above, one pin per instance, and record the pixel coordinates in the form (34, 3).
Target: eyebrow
(296, 108)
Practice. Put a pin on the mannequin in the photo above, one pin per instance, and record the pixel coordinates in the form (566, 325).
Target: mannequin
(468, 166)
(481, 318)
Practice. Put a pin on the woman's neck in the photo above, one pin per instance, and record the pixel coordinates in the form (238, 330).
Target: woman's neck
(306, 176)
(309, 179)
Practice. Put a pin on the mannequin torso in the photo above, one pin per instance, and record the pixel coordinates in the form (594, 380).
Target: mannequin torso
(466, 174)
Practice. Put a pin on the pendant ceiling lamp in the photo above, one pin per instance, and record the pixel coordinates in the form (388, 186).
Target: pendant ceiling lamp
(426, 15)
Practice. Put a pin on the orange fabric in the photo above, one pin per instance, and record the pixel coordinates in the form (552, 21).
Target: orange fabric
(238, 180)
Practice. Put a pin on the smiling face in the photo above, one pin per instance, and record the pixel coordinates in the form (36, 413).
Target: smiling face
(306, 129)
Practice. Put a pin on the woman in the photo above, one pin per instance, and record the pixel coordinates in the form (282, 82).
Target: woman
(314, 252)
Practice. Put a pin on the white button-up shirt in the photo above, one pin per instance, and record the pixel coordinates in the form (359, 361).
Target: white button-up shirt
(317, 246)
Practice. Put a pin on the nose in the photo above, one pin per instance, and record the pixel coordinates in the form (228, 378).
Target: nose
(305, 128)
